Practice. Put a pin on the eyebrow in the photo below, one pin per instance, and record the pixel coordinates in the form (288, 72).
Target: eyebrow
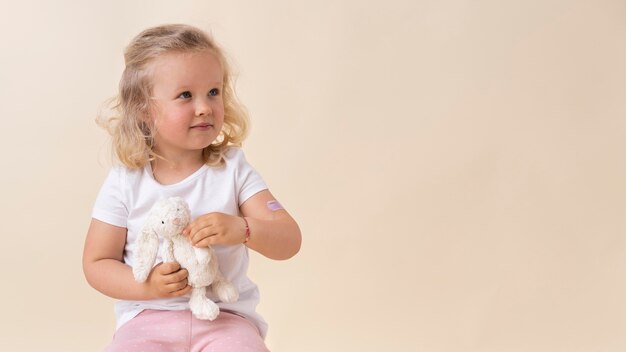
(185, 86)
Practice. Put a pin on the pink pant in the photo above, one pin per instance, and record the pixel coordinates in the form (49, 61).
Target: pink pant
(174, 331)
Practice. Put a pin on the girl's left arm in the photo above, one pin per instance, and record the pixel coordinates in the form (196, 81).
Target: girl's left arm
(273, 233)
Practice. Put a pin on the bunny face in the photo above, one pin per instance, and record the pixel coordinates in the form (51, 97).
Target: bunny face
(169, 217)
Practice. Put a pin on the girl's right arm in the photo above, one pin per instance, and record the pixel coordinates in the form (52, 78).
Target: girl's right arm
(105, 270)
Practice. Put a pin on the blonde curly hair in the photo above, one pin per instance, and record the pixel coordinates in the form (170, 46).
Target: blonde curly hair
(132, 136)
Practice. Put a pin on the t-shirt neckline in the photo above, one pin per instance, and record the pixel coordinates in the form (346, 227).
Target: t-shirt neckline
(194, 175)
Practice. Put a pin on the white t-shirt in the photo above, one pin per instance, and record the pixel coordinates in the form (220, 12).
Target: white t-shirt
(127, 196)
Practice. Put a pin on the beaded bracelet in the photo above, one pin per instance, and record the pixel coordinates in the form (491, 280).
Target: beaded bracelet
(247, 231)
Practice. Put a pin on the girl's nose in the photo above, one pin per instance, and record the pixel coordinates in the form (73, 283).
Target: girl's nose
(203, 107)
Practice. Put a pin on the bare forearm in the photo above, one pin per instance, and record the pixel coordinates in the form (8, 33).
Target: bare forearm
(278, 239)
(115, 279)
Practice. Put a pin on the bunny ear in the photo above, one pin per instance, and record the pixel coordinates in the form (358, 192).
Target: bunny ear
(146, 248)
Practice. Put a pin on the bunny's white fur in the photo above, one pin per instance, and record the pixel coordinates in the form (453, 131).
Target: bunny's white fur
(167, 219)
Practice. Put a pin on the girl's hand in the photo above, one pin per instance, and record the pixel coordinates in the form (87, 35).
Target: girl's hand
(167, 280)
(216, 228)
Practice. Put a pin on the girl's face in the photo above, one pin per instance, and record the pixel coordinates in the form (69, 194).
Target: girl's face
(188, 110)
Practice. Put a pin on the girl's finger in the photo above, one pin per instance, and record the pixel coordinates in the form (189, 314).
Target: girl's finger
(203, 243)
(185, 290)
(167, 268)
(201, 235)
(181, 292)
(196, 228)
(179, 276)
(200, 223)
(207, 241)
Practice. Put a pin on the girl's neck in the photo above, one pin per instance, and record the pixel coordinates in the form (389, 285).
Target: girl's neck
(169, 170)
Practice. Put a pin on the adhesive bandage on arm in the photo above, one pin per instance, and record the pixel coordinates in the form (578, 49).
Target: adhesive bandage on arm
(273, 205)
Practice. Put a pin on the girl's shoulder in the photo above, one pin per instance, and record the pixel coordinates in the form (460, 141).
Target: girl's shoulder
(125, 175)
(235, 162)
(124, 171)
(233, 153)
(234, 157)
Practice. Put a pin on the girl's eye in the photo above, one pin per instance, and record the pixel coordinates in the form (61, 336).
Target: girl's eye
(214, 92)
(185, 95)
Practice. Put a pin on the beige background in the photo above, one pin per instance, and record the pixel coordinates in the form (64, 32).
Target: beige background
(457, 168)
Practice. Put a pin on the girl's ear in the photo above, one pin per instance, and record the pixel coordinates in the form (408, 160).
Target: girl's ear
(147, 123)
(146, 248)
(147, 109)
(146, 127)
(145, 116)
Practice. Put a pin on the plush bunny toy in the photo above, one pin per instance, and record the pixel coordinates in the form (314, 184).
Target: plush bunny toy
(166, 220)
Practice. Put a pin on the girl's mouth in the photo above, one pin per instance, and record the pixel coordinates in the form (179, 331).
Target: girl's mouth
(202, 126)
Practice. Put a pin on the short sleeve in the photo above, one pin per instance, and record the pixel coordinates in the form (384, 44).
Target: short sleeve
(110, 206)
(248, 181)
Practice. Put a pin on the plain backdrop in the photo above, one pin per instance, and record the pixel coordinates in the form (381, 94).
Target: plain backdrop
(457, 167)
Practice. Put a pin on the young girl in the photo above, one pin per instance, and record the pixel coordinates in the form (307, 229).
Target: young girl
(178, 134)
